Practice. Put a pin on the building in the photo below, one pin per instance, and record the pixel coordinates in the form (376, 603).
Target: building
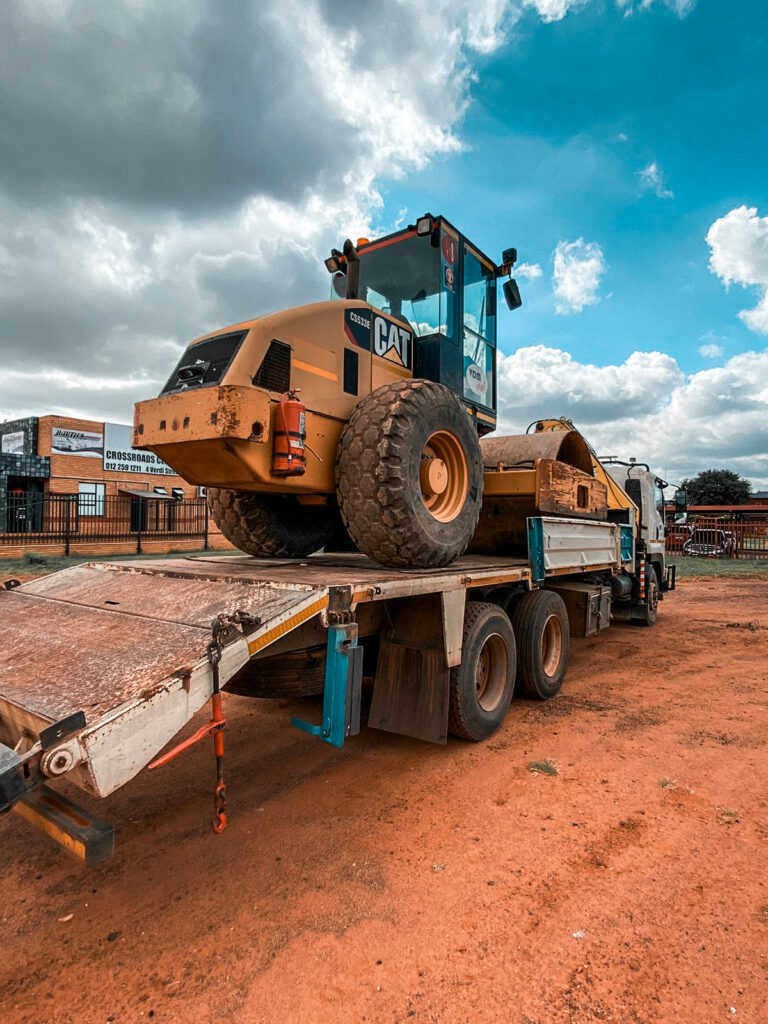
(74, 482)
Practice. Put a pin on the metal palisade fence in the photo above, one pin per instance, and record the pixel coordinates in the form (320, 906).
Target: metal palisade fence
(36, 518)
(719, 538)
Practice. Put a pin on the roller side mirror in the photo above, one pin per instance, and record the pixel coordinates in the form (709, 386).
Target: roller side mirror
(512, 294)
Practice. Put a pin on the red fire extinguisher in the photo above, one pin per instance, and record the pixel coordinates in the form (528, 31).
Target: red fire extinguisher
(288, 458)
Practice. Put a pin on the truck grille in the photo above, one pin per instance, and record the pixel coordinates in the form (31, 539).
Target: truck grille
(204, 364)
(274, 374)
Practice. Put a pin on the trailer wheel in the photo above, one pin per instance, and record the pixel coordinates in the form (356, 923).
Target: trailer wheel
(295, 674)
(482, 685)
(272, 526)
(409, 475)
(650, 610)
(540, 622)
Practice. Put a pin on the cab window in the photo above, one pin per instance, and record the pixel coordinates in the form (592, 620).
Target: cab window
(479, 330)
(402, 278)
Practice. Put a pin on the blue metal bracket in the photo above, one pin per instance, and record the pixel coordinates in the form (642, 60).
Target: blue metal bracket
(627, 543)
(536, 548)
(343, 688)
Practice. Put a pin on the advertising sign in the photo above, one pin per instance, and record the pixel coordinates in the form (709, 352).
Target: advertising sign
(12, 444)
(76, 442)
(119, 457)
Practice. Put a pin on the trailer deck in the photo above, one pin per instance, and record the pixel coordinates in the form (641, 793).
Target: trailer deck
(103, 664)
(93, 637)
(124, 645)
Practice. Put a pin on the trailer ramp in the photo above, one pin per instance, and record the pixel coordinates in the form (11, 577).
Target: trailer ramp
(126, 645)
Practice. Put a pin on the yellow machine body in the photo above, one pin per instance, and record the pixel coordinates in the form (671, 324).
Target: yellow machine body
(221, 436)
(617, 496)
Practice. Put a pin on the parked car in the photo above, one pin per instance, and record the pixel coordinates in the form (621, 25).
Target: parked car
(708, 542)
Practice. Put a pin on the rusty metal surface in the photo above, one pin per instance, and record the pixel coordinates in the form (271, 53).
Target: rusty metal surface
(194, 600)
(57, 658)
(95, 636)
(92, 637)
(331, 570)
(522, 449)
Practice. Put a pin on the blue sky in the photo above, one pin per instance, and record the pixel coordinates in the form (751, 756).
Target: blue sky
(170, 169)
(564, 118)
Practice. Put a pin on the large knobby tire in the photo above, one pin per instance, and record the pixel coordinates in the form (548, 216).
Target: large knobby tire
(481, 686)
(409, 475)
(540, 622)
(272, 526)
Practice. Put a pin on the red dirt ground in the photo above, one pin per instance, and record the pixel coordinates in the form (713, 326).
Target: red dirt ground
(396, 881)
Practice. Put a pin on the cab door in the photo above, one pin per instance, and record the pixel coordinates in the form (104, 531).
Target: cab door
(478, 331)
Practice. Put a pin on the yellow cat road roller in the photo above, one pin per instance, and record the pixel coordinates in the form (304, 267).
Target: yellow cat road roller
(359, 417)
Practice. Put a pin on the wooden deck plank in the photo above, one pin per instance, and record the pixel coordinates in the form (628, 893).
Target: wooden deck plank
(89, 639)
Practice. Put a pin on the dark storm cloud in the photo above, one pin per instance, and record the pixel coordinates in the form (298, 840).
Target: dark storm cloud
(166, 169)
(174, 104)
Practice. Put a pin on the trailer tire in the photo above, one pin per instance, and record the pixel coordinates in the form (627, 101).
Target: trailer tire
(272, 526)
(481, 686)
(397, 510)
(540, 622)
(295, 674)
(507, 598)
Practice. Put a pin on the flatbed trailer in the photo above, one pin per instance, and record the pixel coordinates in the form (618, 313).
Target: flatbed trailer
(102, 665)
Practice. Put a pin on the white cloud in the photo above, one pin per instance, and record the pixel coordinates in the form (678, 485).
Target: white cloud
(529, 270)
(739, 255)
(75, 394)
(486, 23)
(647, 408)
(548, 381)
(554, 10)
(578, 267)
(681, 8)
(652, 179)
(711, 350)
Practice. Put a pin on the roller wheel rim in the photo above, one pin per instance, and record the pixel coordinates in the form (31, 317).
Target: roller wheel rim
(491, 672)
(444, 476)
(551, 645)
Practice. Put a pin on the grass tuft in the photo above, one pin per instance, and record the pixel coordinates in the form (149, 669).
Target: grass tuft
(545, 767)
(720, 568)
(35, 559)
(35, 563)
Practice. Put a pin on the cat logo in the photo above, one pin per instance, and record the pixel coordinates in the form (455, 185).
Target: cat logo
(391, 341)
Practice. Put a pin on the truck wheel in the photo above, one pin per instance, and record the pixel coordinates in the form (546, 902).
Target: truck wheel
(650, 610)
(409, 475)
(482, 685)
(507, 598)
(271, 526)
(540, 622)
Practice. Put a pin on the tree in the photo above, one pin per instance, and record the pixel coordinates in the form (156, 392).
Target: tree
(717, 487)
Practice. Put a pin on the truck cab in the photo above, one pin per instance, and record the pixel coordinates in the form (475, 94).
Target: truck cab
(647, 492)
